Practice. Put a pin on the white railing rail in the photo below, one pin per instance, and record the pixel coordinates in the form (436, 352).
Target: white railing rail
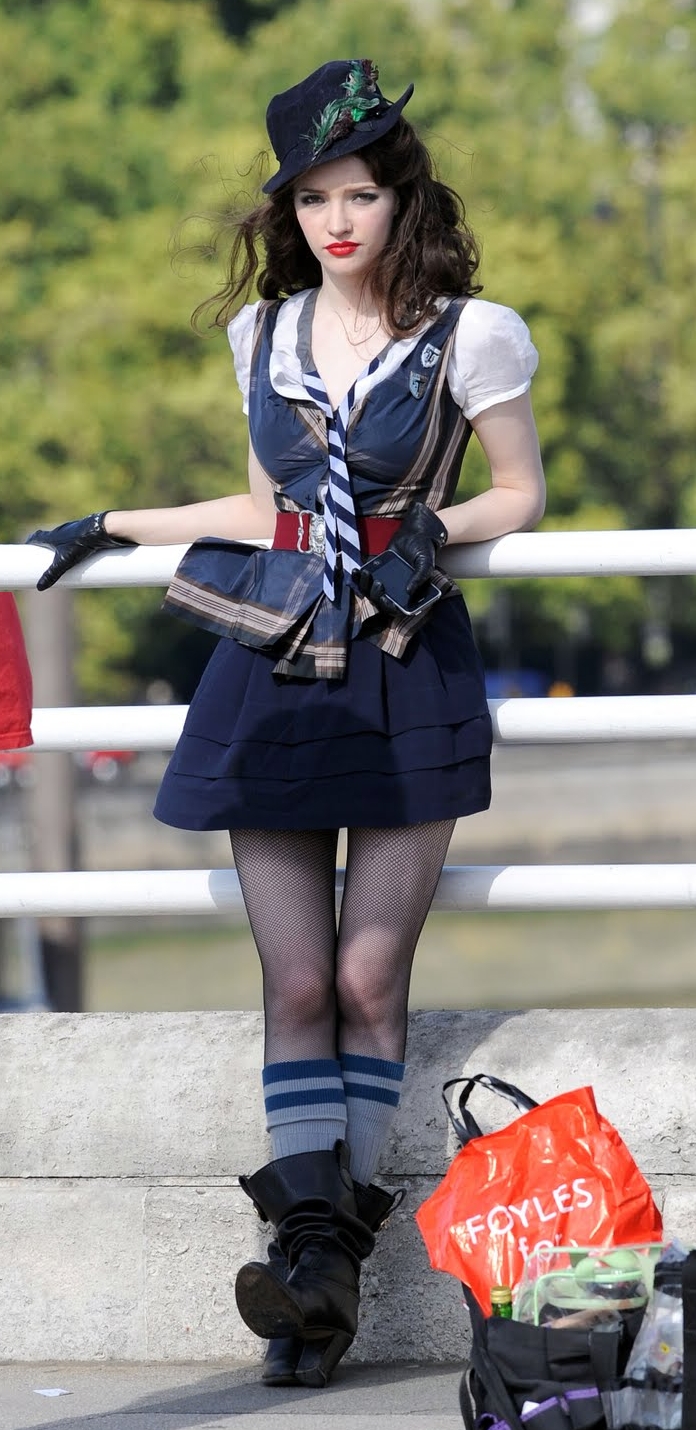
(499, 888)
(531, 553)
(513, 887)
(515, 721)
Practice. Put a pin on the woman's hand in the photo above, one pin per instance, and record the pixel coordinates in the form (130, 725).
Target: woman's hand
(73, 542)
(418, 540)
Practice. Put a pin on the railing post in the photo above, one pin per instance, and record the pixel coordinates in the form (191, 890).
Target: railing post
(50, 802)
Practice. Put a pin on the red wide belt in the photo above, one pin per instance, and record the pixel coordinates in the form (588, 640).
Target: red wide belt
(304, 531)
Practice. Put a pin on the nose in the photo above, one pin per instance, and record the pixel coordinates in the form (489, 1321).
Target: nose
(339, 221)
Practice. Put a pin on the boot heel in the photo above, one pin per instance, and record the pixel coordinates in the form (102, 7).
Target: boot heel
(320, 1358)
(281, 1359)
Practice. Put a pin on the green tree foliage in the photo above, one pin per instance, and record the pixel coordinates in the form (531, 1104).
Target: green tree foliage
(238, 17)
(126, 124)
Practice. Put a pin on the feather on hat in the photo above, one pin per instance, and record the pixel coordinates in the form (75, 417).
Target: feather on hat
(336, 110)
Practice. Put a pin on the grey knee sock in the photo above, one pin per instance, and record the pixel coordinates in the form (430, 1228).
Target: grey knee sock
(305, 1105)
(373, 1090)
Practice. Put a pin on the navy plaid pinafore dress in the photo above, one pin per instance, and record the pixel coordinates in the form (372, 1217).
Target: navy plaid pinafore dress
(400, 732)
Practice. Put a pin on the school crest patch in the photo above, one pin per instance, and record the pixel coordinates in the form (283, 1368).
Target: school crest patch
(430, 355)
(417, 383)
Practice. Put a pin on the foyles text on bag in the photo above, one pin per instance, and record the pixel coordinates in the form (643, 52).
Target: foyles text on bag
(559, 1174)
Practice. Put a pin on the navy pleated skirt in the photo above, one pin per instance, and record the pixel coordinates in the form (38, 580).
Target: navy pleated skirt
(394, 742)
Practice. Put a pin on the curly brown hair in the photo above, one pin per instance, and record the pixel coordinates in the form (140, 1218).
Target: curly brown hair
(431, 252)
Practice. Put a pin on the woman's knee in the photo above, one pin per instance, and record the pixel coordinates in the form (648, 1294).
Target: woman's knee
(299, 998)
(368, 996)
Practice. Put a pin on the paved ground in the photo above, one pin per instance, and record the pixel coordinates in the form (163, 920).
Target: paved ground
(213, 1396)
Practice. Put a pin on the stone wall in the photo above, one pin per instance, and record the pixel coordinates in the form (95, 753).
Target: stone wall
(122, 1139)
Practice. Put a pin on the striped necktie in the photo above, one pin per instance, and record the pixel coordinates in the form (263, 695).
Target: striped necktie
(339, 508)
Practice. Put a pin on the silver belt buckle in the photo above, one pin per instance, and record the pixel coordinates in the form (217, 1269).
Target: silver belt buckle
(317, 534)
(316, 537)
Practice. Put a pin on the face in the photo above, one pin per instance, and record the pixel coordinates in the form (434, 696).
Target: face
(344, 215)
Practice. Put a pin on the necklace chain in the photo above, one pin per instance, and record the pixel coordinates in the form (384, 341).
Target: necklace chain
(355, 341)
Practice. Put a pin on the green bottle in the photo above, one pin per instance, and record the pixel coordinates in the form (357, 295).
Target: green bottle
(501, 1302)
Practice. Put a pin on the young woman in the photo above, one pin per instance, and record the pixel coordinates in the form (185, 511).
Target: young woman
(341, 695)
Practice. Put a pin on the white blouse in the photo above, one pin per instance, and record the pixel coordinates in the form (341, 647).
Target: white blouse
(493, 358)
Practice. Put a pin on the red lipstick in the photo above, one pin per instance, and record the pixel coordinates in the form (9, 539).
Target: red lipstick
(341, 250)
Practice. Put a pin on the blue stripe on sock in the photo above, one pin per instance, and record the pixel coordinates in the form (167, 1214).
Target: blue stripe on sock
(370, 1093)
(294, 1071)
(374, 1067)
(309, 1097)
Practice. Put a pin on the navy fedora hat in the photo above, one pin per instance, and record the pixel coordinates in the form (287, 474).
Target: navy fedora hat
(336, 110)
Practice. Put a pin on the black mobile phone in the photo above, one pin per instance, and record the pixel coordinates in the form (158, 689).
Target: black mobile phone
(395, 573)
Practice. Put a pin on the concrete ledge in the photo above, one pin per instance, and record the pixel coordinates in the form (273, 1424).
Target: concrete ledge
(122, 1137)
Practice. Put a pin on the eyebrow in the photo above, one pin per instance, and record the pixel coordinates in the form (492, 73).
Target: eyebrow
(348, 188)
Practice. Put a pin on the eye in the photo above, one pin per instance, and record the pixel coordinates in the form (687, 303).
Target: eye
(308, 200)
(369, 196)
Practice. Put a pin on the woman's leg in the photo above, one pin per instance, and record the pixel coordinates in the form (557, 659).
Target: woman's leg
(288, 881)
(391, 878)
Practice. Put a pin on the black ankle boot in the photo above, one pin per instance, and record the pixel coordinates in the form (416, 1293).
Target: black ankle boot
(319, 1359)
(291, 1361)
(282, 1352)
(310, 1200)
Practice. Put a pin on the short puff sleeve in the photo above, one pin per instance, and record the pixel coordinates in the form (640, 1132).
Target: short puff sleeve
(240, 334)
(493, 358)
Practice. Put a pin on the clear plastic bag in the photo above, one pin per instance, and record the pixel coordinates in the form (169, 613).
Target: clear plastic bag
(658, 1349)
(651, 1390)
(632, 1407)
(578, 1287)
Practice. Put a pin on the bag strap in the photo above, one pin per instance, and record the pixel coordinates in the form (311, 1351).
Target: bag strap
(466, 1397)
(467, 1129)
(689, 1300)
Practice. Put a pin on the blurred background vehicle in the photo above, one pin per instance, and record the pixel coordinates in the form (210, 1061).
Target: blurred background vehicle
(16, 767)
(107, 766)
(504, 684)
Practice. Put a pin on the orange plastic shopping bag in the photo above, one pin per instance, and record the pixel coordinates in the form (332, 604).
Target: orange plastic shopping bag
(558, 1175)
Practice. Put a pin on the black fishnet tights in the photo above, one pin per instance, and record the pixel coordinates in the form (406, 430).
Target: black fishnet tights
(329, 990)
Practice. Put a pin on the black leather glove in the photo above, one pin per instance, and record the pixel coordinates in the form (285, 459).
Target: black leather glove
(73, 542)
(418, 540)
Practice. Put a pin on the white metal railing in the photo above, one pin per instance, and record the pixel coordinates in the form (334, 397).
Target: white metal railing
(530, 553)
(644, 553)
(493, 887)
(515, 721)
